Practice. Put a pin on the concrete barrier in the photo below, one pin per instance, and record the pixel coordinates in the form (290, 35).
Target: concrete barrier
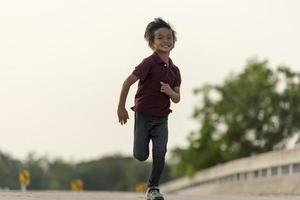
(276, 172)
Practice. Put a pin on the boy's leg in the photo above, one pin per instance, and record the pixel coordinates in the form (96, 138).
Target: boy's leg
(159, 136)
(141, 137)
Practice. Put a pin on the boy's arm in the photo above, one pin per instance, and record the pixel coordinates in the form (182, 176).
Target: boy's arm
(122, 112)
(173, 94)
(176, 97)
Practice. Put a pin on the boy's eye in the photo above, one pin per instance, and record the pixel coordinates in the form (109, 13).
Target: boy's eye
(169, 37)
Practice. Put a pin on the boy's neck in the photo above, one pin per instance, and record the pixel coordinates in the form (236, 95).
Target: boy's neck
(164, 56)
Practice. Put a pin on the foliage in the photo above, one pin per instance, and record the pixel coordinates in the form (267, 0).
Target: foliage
(253, 112)
(108, 173)
(9, 172)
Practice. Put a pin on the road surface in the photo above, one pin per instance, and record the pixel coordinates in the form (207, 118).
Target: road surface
(55, 195)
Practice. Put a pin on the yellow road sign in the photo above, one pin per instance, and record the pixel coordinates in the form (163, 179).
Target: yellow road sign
(24, 177)
(77, 185)
(140, 187)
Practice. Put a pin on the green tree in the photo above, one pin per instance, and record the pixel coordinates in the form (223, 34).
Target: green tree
(253, 112)
(108, 173)
(103, 174)
(115, 173)
(60, 174)
(9, 172)
(112, 173)
(38, 169)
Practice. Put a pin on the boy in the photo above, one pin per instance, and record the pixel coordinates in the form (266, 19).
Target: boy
(159, 81)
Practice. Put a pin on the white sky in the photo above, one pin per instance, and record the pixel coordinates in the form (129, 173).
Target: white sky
(62, 64)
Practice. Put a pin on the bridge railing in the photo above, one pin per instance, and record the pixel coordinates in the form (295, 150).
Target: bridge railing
(259, 167)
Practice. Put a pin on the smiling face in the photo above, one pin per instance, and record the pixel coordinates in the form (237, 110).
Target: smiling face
(163, 40)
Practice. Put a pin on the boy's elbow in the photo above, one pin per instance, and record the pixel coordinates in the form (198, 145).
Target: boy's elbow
(176, 96)
(176, 100)
(130, 80)
(127, 83)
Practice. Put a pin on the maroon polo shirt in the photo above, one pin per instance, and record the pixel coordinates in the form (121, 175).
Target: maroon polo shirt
(151, 71)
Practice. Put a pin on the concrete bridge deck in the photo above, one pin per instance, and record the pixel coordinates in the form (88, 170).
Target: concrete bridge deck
(57, 195)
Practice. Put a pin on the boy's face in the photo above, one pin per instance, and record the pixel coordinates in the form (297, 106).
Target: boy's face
(163, 40)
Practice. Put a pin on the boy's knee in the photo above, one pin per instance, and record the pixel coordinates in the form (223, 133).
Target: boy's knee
(141, 157)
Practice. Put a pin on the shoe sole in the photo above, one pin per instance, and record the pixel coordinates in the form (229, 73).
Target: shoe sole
(157, 198)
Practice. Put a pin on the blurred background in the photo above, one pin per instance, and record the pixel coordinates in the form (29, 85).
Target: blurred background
(62, 65)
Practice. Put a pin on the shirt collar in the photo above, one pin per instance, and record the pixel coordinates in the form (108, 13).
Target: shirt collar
(158, 60)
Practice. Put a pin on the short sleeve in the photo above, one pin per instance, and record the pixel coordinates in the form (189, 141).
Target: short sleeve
(178, 78)
(142, 70)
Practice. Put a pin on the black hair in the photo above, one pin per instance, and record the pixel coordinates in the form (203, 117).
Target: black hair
(155, 25)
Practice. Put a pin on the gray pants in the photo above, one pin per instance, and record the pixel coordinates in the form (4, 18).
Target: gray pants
(148, 128)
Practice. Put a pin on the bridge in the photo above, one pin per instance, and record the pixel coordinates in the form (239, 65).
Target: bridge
(272, 173)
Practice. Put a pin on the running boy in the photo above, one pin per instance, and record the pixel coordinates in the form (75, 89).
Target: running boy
(159, 81)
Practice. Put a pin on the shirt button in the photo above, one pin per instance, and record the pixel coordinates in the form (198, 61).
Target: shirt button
(165, 65)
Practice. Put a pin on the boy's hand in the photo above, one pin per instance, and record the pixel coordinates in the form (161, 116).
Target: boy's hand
(165, 88)
(123, 115)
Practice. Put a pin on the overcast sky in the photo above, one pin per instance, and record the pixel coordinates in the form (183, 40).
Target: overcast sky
(62, 64)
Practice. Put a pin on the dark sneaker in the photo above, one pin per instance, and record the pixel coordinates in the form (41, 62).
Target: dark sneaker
(154, 194)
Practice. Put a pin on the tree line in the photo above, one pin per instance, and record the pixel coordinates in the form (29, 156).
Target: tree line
(114, 172)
